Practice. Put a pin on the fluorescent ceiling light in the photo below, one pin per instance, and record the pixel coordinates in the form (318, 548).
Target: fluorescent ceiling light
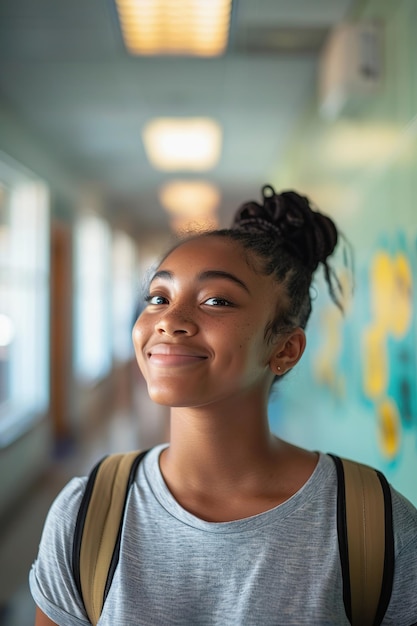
(175, 27)
(190, 199)
(182, 143)
(192, 205)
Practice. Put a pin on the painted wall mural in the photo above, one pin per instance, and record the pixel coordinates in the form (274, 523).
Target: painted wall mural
(355, 391)
(379, 333)
(331, 361)
(388, 345)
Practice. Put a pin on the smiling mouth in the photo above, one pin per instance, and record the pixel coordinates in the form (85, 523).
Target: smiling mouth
(169, 356)
(170, 360)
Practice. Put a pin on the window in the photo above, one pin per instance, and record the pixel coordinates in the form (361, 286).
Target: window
(125, 295)
(24, 299)
(92, 297)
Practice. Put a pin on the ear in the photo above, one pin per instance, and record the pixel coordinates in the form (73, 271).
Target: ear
(288, 351)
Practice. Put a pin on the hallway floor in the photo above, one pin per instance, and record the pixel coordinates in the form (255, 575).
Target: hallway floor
(20, 532)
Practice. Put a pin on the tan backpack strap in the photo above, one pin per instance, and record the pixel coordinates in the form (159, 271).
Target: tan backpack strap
(366, 541)
(365, 523)
(102, 527)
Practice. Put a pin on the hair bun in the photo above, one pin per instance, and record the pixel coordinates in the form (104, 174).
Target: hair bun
(302, 231)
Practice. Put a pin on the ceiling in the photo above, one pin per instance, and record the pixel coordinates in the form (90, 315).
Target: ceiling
(66, 74)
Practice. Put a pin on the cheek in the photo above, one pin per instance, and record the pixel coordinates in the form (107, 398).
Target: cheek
(251, 347)
(138, 334)
(135, 334)
(260, 347)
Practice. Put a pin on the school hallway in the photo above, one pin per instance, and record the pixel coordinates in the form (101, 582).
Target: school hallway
(109, 156)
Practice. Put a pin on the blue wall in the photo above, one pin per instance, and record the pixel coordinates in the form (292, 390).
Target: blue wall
(355, 392)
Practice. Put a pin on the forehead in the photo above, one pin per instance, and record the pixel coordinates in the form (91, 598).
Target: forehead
(207, 250)
(212, 257)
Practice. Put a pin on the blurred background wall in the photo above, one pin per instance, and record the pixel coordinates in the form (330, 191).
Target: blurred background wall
(356, 391)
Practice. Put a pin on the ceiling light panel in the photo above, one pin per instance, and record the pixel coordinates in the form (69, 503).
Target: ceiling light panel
(190, 198)
(175, 27)
(192, 205)
(174, 144)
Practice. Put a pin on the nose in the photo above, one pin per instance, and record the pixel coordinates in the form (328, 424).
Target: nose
(176, 321)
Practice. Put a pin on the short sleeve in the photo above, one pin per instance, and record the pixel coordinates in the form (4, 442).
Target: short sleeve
(51, 581)
(402, 609)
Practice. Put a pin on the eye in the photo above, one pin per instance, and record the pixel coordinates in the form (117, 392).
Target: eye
(155, 300)
(218, 302)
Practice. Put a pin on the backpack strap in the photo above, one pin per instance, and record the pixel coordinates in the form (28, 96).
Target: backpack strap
(366, 541)
(99, 527)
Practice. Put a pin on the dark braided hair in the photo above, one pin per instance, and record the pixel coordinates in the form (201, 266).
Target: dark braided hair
(291, 239)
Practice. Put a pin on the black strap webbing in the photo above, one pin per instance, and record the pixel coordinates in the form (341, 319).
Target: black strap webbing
(343, 533)
(79, 525)
(389, 559)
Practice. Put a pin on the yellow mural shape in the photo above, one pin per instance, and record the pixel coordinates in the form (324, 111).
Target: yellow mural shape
(382, 289)
(391, 293)
(389, 428)
(375, 366)
(391, 287)
(402, 297)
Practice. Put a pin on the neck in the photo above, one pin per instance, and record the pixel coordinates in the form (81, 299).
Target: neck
(222, 443)
(223, 463)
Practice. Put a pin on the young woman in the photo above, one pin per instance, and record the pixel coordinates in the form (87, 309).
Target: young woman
(227, 525)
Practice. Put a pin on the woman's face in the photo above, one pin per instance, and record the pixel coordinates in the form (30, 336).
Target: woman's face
(201, 338)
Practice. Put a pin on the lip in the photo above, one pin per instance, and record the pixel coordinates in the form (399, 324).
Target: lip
(168, 355)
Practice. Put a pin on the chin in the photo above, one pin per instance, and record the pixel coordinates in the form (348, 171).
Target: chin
(166, 396)
(174, 399)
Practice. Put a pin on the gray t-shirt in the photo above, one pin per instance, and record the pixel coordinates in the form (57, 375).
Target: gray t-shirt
(280, 567)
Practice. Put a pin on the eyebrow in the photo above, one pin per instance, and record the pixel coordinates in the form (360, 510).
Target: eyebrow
(203, 276)
(162, 274)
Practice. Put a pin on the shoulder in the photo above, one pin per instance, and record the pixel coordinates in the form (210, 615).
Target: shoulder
(51, 579)
(402, 609)
(61, 518)
(67, 502)
(62, 515)
(405, 523)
